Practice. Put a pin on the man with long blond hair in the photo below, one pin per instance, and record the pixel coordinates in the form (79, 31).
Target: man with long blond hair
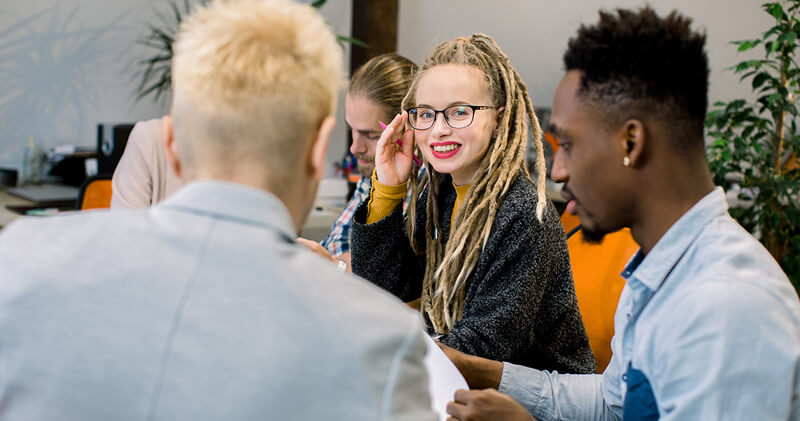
(204, 306)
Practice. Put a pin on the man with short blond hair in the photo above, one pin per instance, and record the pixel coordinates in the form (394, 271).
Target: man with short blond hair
(204, 306)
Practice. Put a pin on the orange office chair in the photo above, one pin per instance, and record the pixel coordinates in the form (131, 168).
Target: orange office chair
(596, 270)
(95, 193)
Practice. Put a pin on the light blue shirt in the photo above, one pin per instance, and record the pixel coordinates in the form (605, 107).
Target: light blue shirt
(708, 317)
(202, 307)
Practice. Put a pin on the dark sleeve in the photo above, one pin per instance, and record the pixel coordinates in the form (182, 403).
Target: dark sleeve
(521, 306)
(381, 254)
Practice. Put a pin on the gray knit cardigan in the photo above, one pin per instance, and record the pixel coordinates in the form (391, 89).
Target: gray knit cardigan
(520, 304)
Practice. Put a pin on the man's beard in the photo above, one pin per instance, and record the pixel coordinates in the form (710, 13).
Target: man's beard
(591, 236)
(366, 170)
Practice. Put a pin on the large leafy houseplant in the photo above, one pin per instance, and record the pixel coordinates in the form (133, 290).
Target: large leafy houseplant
(755, 146)
(153, 73)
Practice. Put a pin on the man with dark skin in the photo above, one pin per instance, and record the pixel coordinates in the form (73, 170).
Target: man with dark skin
(707, 326)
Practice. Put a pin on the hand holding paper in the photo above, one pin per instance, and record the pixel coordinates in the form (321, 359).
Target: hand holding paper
(486, 405)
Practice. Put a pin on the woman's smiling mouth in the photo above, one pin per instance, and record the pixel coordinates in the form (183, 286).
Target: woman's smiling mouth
(445, 150)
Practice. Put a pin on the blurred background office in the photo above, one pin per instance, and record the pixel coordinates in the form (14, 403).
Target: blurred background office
(65, 67)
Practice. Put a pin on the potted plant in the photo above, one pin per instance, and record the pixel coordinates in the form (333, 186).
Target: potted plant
(153, 73)
(754, 146)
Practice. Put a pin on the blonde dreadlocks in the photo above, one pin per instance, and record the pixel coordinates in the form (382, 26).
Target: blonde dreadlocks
(446, 274)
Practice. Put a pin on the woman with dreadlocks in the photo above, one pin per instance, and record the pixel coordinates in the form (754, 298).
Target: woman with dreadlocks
(485, 255)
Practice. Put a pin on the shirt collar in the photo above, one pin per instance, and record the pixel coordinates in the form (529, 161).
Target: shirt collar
(233, 201)
(364, 185)
(651, 270)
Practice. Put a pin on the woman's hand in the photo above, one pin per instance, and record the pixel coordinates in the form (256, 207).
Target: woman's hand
(393, 165)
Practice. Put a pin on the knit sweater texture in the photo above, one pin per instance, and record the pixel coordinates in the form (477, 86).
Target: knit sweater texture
(520, 303)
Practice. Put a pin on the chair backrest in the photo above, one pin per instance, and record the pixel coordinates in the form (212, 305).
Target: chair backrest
(95, 193)
(596, 269)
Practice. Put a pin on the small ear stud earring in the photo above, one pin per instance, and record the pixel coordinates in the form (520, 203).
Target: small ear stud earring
(626, 162)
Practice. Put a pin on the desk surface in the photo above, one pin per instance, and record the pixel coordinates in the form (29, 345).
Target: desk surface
(6, 216)
(316, 228)
(319, 223)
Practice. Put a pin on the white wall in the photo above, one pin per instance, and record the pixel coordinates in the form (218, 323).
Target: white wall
(67, 65)
(534, 33)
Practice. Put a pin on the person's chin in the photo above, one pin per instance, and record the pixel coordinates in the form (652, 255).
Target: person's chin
(366, 170)
(442, 167)
(592, 236)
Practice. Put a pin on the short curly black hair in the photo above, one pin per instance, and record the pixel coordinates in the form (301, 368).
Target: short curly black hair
(635, 62)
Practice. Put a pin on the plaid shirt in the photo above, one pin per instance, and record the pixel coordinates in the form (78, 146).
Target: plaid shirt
(338, 240)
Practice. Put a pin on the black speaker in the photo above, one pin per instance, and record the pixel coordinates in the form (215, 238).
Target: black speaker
(111, 141)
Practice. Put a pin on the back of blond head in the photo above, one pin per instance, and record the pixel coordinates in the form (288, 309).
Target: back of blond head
(252, 82)
(449, 266)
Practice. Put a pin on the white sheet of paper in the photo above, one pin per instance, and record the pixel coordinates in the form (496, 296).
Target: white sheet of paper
(443, 378)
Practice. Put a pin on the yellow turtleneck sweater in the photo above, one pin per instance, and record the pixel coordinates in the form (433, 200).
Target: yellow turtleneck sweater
(384, 199)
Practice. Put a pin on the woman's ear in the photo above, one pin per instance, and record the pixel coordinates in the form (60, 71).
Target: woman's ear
(500, 112)
(497, 119)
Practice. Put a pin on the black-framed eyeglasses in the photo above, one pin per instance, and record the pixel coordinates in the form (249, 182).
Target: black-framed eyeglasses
(456, 116)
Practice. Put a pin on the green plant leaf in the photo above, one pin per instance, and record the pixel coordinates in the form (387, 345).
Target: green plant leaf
(352, 40)
(760, 79)
(741, 135)
(746, 45)
(176, 12)
(735, 105)
(785, 40)
(775, 9)
(771, 32)
(747, 132)
(747, 75)
(742, 66)
(791, 37)
(713, 118)
(152, 74)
